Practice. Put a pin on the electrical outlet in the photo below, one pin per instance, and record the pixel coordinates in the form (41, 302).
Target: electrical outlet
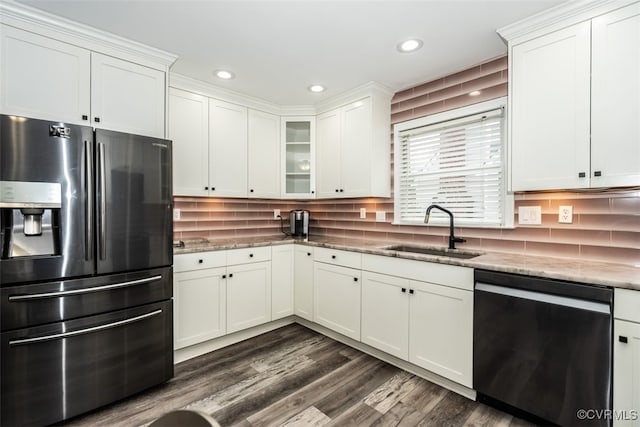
(381, 216)
(565, 214)
(176, 214)
(363, 213)
(530, 215)
(276, 213)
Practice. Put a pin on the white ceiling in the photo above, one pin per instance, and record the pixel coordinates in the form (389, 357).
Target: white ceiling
(278, 48)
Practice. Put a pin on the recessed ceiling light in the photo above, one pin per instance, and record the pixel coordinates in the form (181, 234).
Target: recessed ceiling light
(409, 45)
(224, 74)
(475, 93)
(316, 88)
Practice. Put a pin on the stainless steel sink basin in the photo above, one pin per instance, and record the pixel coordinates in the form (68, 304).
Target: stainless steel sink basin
(452, 253)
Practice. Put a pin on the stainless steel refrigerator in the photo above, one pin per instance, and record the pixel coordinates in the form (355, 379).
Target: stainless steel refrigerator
(85, 268)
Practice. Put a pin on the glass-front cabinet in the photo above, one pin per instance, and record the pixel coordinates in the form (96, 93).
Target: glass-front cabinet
(298, 150)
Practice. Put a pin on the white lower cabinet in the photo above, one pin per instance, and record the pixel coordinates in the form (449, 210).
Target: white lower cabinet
(282, 261)
(337, 298)
(385, 313)
(303, 282)
(626, 358)
(441, 330)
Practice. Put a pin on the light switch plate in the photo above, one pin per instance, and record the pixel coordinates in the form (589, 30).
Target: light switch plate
(565, 214)
(529, 215)
(363, 213)
(381, 216)
(176, 214)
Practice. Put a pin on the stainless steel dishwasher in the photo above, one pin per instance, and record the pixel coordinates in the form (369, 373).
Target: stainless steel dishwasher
(544, 347)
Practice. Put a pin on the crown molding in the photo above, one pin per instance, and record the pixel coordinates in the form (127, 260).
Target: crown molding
(367, 89)
(556, 18)
(62, 29)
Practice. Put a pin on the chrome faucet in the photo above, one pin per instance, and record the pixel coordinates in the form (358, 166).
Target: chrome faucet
(452, 238)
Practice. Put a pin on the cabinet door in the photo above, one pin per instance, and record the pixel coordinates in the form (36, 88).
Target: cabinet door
(626, 372)
(199, 300)
(356, 149)
(385, 313)
(329, 154)
(281, 281)
(189, 131)
(43, 78)
(441, 330)
(127, 97)
(248, 295)
(303, 282)
(264, 155)
(227, 149)
(615, 98)
(550, 111)
(337, 299)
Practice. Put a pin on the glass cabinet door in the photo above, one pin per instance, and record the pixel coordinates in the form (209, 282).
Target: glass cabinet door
(298, 135)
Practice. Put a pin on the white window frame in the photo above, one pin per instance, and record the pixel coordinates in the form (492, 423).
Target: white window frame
(507, 200)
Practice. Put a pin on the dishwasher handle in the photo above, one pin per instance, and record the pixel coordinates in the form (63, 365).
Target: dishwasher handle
(544, 298)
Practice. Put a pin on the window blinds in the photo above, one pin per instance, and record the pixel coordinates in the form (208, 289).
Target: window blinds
(457, 164)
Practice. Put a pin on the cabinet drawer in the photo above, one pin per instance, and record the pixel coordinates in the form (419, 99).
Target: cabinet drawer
(246, 255)
(199, 261)
(338, 257)
(626, 305)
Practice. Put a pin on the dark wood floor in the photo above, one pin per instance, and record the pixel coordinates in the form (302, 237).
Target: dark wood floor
(295, 377)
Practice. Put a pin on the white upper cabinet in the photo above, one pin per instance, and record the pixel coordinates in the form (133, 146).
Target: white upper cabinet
(227, 149)
(615, 98)
(127, 97)
(48, 79)
(550, 111)
(263, 155)
(575, 103)
(353, 147)
(44, 78)
(189, 131)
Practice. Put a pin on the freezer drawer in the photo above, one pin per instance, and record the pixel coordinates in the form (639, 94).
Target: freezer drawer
(39, 303)
(56, 371)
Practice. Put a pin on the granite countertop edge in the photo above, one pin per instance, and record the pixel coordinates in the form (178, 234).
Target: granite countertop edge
(576, 270)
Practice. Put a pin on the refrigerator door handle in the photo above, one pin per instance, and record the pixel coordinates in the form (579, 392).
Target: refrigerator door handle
(85, 290)
(88, 235)
(103, 202)
(84, 331)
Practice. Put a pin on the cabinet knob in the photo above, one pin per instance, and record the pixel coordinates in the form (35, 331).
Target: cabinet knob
(213, 188)
(250, 255)
(85, 117)
(355, 279)
(333, 257)
(411, 291)
(597, 173)
(404, 290)
(336, 190)
(96, 119)
(623, 339)
(582, 175)
(200, 261)
(230, 275)
(341, 190)
(206, 188)
(313, 192)
(224, 276)
(308, 253)
(251, 191)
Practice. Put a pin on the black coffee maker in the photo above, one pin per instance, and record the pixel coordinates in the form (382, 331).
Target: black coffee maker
(299, 221)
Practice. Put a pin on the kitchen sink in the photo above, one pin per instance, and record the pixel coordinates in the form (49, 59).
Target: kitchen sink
(452, 253)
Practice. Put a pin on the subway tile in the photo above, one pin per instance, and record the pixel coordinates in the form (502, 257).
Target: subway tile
(483, 82)
(463, 76)
(629, 239)
(501, 245)
(609, 254)
(429, 87)
(563, 250)
(402, 95)
(402, 116)
(498, 64)
(592, 237)
(426, 110)
(446, 93)
(626, 205)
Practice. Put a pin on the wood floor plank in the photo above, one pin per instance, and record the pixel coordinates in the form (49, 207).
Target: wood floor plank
(311, 416)
(298, 348)
(310, 394)
(392, 391)
(452, 411)
(486, 416)
(359, 414)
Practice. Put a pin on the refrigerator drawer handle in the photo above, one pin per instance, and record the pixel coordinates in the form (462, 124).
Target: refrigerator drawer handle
(84, 331)
(102, 222)
(84, 291)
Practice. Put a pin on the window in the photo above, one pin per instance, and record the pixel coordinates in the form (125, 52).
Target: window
(456, 160)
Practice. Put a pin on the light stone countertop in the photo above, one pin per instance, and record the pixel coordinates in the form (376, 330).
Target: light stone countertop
(576, 270)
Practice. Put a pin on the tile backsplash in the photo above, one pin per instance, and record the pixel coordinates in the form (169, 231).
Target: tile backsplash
(605, 227)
